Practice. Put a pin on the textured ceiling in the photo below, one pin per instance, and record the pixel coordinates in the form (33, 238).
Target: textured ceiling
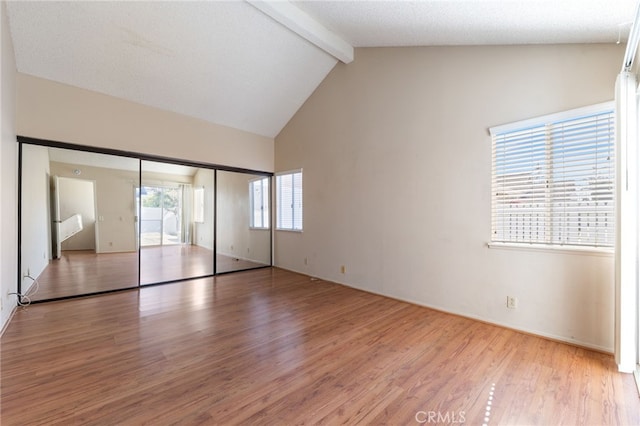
(474, 22)
(228, 63)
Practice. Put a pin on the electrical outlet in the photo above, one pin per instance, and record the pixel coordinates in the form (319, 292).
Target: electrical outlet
(512, 302)
(343, 269)
(306, 262)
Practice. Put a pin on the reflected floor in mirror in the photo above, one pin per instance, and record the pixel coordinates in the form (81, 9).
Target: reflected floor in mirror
(85, 272)
(174, 262)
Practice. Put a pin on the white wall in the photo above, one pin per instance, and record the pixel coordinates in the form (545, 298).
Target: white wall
(203, 232)
(56, 111)
(8, 173)
(36, 218)
(396, 157)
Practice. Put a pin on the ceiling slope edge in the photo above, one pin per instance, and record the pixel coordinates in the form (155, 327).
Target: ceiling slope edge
(299, 22)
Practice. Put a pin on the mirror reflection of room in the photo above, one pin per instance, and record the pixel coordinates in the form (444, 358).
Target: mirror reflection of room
(78, 221)
(94, 222)
(176, 222)
(243, 221)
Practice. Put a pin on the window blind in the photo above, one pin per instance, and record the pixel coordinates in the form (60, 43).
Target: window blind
(553, 181)
(289, 200)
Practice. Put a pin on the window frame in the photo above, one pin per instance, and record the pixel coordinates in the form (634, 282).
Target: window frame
(605, 246)
(278, 203)
(266, 216)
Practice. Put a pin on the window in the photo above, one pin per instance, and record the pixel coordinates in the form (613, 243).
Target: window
(289, 200)
(259, 201)
(553, 179)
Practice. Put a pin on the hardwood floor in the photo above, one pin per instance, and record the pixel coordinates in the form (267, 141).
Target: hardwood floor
(273, 347)
(85, 272)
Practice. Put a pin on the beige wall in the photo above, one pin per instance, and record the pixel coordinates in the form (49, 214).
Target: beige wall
(55, 111)
(8, 173)
(396, 158)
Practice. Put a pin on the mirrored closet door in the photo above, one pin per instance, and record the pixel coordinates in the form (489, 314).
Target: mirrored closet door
(78, 222)
(94, 222)
(243, 221)
(176, 222)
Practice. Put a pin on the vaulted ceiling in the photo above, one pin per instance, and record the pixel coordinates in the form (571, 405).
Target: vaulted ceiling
(251, 64)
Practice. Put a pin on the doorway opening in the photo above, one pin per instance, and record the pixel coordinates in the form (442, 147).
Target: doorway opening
(162, 215)
(74, 216)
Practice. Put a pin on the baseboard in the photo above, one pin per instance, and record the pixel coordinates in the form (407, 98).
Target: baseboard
(6, 324)
(233, 256)
(535, 333)
(547, 336)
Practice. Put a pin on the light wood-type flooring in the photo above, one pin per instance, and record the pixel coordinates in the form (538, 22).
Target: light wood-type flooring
(85, 272)
(271, 347)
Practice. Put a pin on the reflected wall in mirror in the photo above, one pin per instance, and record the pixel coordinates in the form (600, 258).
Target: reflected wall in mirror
(78, 222)
(176, 222)
(243, 221)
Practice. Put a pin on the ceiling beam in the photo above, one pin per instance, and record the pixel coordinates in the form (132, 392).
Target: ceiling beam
(306, 27)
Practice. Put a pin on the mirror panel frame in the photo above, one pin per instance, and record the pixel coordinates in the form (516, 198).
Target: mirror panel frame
(241, 244)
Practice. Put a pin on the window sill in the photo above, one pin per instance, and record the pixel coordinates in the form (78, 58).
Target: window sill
(298, 231)
(594, 251)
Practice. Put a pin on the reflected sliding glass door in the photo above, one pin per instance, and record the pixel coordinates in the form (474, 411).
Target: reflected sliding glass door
(176, 236)
(161, 215)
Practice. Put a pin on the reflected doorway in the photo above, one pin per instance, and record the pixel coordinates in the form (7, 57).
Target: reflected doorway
(74, 213)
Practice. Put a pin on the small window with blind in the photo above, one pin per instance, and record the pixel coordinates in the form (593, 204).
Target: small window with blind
(289, 201)
(259, 203)
(553, 180)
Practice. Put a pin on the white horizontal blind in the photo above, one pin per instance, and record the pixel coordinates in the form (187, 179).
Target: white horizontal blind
(259, 200)
(553, 182)
(289, 201)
